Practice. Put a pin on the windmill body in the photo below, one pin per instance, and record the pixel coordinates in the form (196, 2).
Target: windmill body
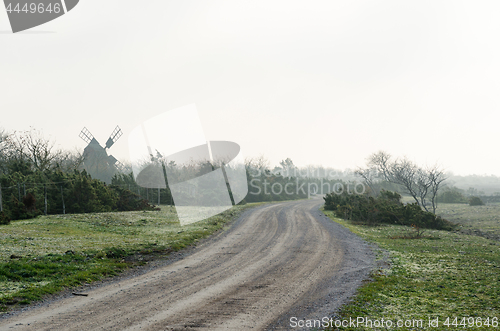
(96, 160)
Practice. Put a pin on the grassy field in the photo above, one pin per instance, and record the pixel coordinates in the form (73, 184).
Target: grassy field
(44, 255)
(443, 275)
(479, 220)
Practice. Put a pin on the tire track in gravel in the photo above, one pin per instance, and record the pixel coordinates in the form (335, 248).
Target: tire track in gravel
(275, 262)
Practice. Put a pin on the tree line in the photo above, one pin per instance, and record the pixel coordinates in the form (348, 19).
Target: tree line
(428, 186)
(35, 179)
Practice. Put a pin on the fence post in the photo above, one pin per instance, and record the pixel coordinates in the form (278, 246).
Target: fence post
(158, 196)
(62, 197)
(45, 194)
(1, 205)
(147, 194)
(24, 189)
(19, 191)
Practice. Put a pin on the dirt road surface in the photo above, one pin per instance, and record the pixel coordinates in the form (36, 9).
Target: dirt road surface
(274, 263)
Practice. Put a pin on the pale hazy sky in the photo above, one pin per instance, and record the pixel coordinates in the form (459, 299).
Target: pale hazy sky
(321, 82)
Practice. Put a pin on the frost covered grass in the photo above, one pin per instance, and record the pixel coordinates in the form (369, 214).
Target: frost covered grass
(444, 274)
(485, 218)
(44, 255)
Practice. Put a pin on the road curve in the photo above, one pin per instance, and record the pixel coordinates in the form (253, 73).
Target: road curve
(275, 262)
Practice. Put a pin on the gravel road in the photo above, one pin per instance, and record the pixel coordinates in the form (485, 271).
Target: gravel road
(275, 262)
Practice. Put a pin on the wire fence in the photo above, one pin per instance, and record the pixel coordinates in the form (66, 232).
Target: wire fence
(47, 192)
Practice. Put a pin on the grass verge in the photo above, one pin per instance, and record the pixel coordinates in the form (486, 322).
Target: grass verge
(444, 275)
(45, 255)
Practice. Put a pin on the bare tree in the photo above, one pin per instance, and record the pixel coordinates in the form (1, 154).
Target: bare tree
(3, 135)
(422, 184)
(409, 175)
(437, 178)
(3, 151)
(370, 176)
(31, 147)
(257, 166)
(39, 150)
(289, 169)
(381, 162)
(69, 160)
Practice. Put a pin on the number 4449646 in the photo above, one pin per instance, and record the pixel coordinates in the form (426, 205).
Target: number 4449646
(471, 322)
(34, 8)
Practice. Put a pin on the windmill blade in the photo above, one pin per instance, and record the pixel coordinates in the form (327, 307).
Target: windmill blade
(120, 166)
(115, 135)
(112, 160)
(86, 135)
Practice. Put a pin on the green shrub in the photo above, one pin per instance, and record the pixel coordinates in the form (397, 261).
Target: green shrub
(387, 208)
(451, 195)
(18, 210)
(4, 219)
(475, 201)
(81, 194)
(130, 201)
